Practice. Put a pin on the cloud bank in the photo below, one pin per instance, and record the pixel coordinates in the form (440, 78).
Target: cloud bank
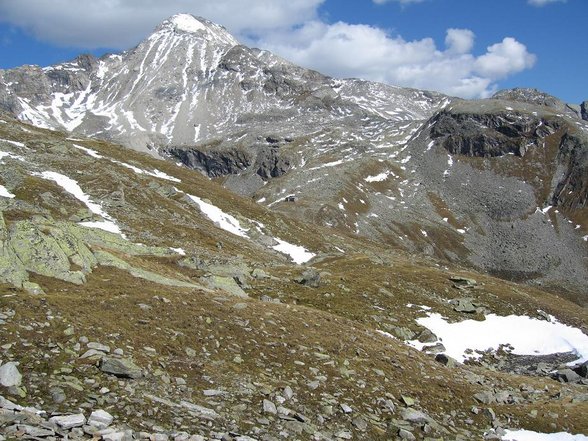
(544, 2)
(292, 30)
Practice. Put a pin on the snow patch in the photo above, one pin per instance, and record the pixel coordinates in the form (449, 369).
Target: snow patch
(377, 178)
(187, 23)
(90, 152)
(72, 187)
(16, 143)
(220, 218)
(5, 193)
(527, 435)
(526, 335)
(297, 253)
(180, 251)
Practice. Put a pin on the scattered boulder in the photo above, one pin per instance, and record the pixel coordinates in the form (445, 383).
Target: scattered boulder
(100, 419)
(9, 375)
(446, 360)
(69, 421)
(227, 284)
(463, 282)
(120, 367)
(427, 336)
(310, 277)
(463, 305)
(567, 376)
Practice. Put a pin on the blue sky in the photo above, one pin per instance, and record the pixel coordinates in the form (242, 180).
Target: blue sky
(468, 48)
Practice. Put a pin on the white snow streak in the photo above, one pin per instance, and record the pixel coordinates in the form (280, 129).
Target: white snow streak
(16, 143)
(187, 23)
(220, 218)
(297, 253)
(88, 151)
(180, 251)
(72, 187)
(377, 178)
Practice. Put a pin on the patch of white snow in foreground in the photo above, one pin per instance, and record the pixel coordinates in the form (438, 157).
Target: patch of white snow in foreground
(180, 251)
(5, 193)
(528, 336)
(527, 435)
(297, 253)
(220, 218)
(72, 187)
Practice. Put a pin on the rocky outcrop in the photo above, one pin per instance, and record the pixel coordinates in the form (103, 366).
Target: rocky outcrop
(538, 98)
(489, 134)
(584, 110)
(212, 162)
(571, 191)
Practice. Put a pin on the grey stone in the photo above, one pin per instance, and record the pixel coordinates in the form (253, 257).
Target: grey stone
(269, 407)
(120, 367)
(9, 375)
(567, 376)
(201, 411)
(405, 434)
(100, 419)
(415, 416)
(463, 305)
(35, 431)
(446, 360)
(69, 421)
(98, 347)
(310, 277)
(345, 408)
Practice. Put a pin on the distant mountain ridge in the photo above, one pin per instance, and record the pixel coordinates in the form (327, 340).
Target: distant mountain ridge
(499, 184)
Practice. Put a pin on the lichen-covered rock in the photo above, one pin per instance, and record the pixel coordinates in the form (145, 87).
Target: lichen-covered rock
(120, 367)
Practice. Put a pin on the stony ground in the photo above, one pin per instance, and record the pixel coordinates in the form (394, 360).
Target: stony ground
(231, 340)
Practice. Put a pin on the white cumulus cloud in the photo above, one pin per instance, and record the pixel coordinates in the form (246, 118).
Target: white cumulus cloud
(402, 2)
(123, 23)
(544, 2)
(291, 29)
(362, 51)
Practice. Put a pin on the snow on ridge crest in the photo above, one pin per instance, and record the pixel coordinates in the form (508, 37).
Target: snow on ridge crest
(187, 22)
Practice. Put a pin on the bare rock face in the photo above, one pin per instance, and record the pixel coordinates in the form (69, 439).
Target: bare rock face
(490, 134)
(584, 110)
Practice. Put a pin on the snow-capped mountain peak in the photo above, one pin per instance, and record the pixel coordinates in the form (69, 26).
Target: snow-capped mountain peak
(198, 27)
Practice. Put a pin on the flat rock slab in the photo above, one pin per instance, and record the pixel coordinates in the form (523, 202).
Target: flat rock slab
(120, 367)
(69, 421)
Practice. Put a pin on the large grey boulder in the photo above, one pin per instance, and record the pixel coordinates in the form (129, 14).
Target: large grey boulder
(310, 277)
(120, 367)
(9, 375)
